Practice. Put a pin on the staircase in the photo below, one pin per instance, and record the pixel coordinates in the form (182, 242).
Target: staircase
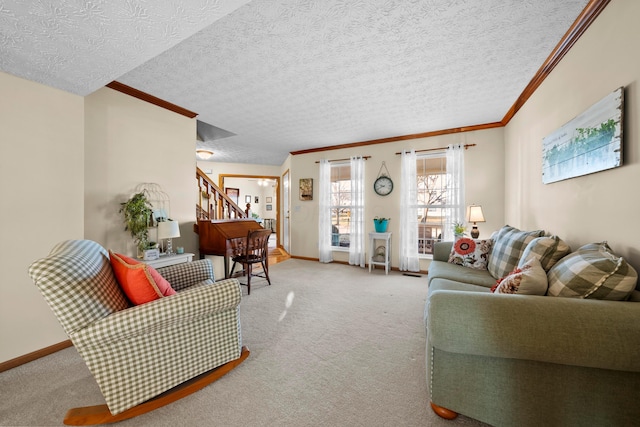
(213, 203)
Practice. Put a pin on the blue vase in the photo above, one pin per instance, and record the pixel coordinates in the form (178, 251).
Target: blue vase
(380, 225)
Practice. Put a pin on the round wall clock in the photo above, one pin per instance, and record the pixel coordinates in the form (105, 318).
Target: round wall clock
(383, 185)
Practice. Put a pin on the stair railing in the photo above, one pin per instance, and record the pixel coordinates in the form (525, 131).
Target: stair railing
(213, 203)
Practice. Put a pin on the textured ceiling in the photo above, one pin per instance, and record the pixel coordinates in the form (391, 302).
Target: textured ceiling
(288, 75)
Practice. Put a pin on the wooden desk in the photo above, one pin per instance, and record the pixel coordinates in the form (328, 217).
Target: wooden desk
(216, 237)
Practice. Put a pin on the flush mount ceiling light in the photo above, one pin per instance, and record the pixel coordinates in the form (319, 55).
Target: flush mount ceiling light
(264, 182)
(204, 154)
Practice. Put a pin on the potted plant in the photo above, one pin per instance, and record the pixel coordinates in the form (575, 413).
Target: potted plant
(137, 214)
(381, 224)
(459, 230)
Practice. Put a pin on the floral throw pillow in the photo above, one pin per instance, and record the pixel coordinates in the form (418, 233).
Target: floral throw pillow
(471, 253)
(529, 279)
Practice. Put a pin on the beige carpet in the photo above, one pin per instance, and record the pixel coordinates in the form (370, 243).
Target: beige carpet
(331, 345)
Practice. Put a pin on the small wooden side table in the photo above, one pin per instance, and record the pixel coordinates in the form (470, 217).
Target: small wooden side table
(167, 260)
(386, 237)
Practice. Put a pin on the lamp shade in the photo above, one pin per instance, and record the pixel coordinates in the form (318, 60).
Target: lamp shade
(168, 229)
(475, 214)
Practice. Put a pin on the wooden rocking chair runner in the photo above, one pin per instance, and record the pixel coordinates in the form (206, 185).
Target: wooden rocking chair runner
(252, 250)
(145, 356)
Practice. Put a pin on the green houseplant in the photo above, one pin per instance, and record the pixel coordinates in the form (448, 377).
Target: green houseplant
(137, 214)
(459, 230)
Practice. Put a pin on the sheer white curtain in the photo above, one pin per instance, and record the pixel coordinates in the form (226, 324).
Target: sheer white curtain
(455, 189)
(356, 228)
(324, 214)
(408, 213)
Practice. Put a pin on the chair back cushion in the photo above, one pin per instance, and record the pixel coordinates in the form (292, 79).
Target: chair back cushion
(78, 283)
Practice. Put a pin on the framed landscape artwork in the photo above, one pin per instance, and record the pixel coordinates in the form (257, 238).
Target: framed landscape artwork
(592, 142)
(306, 188)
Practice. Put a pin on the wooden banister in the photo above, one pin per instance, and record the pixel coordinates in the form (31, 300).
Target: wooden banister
(213, 203)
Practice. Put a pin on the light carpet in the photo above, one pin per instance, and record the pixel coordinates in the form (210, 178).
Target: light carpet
(331, 345)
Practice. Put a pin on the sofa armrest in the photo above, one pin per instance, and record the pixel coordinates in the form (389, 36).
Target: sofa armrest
(156, 315)
(441, 251)
(588, 333)
(182, 276)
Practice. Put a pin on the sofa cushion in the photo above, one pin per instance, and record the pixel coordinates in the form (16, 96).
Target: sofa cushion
(530, 279)
(507, 249)
(140, 282)
(458, 273)
(593, 271)
(547, 249)
(471, 253)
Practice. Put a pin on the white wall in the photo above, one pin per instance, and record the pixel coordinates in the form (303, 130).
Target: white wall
(592, 208)
(66, 163)
(484, 180)
(42, 192)
(250, 187)
(129, 142)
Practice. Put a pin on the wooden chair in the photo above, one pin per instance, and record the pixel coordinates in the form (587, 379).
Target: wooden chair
(252, 250)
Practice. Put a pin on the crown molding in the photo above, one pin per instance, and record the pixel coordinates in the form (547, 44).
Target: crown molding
(401, 138)
(120, 87)
(580, 25)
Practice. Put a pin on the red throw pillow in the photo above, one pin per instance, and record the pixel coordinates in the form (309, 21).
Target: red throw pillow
(140, 282)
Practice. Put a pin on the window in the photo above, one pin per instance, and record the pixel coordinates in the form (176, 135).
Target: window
(340, 204)
(432, 200)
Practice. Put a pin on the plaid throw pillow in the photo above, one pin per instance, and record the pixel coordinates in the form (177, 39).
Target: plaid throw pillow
(593, 271)
(471, 253)
(509, 243)
(547, 249)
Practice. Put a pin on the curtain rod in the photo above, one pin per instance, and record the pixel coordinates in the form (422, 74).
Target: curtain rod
(342, 160)
(466, 147)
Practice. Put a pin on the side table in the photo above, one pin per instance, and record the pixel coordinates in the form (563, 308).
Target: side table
(386, 237)
(167, 260)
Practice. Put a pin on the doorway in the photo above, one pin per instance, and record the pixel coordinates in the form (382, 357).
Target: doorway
(285, 210)
(260, 194)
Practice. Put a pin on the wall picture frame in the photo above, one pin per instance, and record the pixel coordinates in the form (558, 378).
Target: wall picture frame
(256, 200)
(591, 142)
(269, 207)
(269, 199)
(306, 189)
(247, 199)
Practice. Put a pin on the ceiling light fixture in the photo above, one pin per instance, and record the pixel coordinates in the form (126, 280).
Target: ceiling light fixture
(204, 154)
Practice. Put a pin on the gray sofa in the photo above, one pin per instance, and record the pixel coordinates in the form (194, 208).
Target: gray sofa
(525, 360)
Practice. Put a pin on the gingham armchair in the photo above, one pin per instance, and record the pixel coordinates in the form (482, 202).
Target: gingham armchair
(138, 352)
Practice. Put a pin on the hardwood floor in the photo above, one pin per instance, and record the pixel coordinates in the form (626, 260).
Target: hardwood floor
(277, 255)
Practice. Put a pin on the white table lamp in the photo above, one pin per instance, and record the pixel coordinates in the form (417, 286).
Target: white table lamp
(168, 230)
(475, 215)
